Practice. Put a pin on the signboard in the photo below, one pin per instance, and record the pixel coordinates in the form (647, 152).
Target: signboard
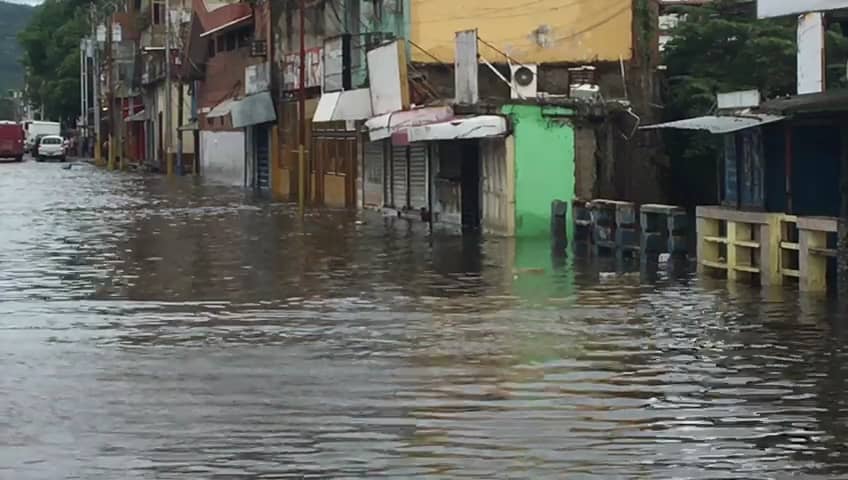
(337, 74)
(739, 99)
(257, 78)
(810, 63)
(467, 64)
(779, 8)
(314, 69)
(388, 74)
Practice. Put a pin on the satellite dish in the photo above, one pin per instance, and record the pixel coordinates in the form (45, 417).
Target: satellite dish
(524, 76)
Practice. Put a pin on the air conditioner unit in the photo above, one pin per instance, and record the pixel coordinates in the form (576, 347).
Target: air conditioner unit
(525, 81)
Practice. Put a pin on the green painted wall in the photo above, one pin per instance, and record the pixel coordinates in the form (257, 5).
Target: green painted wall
(544, 166)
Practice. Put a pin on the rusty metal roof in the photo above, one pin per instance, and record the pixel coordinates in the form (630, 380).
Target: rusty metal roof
(830, 101)
(719, 124)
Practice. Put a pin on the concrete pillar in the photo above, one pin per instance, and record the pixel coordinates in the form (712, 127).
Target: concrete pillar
(842, 260)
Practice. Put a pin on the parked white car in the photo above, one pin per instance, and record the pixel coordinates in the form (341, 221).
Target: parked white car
(51, 146)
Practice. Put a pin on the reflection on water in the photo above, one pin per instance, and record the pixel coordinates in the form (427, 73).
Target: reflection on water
(156, 328)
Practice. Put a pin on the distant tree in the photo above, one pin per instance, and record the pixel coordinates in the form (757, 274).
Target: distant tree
(51, 56)
(721, 47)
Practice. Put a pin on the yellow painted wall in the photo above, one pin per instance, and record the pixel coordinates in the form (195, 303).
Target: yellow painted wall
(531, 31)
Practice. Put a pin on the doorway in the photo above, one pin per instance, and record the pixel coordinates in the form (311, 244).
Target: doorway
(470, 181)
(160, 150)
(262, 149)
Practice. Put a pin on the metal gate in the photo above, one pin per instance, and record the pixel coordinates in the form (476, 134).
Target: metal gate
(418, 176)
(400, 178)
(263, 160)
(374, 173)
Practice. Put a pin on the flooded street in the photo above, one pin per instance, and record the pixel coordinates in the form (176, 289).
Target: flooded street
(157, 328)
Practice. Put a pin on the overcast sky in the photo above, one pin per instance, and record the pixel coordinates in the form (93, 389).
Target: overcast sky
(25, 2)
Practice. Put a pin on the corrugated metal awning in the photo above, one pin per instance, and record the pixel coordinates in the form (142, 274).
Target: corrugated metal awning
(253, 110)
(718, 124)
(225, 26)
(339, 106)
(141, 116)
(221, 110)
(480, 126)
(383, 126)
(190, 126)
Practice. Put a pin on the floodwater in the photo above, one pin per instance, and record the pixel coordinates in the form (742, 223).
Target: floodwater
(162, 329)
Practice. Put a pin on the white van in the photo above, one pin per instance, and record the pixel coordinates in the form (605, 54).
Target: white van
(35, 129)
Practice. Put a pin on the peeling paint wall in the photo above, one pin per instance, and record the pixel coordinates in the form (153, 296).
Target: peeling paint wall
(498, 180)
(538, 31)
(585, 162)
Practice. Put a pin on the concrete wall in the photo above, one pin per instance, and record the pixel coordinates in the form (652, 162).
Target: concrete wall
(162, 106)
(539, 31)
(222, 157)
(544, 165)
(585, 162)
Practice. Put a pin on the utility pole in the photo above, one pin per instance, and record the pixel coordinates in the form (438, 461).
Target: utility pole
(110, 162)
(98, 157)
(180, 119)
(301, 149)
(83, 104)
(169, 115)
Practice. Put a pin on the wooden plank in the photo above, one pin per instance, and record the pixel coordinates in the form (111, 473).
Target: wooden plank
(770, 252)
(715, 240)
(821, 224)
(661, 209)
(790, 246)
(746, 268)
(707, 251)
(716, 265)
(791, 273)
(731, 215)
(747, 244)
(813, 267)
(824, 252)
(731, 252)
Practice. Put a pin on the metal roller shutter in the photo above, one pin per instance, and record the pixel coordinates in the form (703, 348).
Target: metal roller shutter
(399, 177)
(263, 158)
(418, 176)
(374, 161)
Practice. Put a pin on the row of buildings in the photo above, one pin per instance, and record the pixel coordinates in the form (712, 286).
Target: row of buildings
(474, 114)
(781, 180)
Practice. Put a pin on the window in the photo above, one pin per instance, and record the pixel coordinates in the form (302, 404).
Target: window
(378, 9)
(158, 13)
(245, 36)
(211, 49)
(231, 41)
(222, 44)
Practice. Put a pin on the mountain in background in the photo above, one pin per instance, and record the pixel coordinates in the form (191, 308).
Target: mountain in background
(13, 18)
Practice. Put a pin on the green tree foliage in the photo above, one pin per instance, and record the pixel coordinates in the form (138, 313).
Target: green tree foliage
(51, 56)
(13, 18)
(722, 47)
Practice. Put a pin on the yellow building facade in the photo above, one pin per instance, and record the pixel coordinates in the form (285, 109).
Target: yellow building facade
(533, 31)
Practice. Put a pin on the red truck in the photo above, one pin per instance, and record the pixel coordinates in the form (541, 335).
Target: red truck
(11, 140)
